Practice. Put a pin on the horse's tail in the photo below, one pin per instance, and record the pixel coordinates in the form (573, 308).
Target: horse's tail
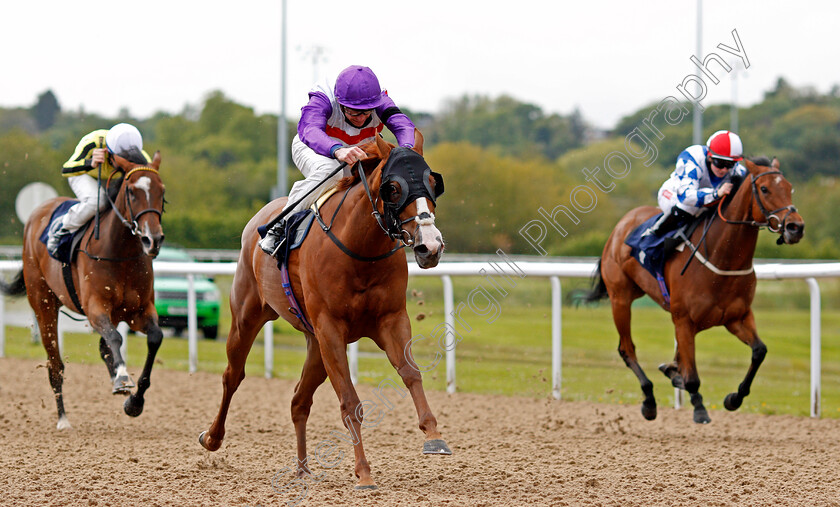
(16, 287)
(599, 289)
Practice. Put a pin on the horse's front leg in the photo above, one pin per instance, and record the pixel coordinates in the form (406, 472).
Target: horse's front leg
(688, 368)
(334, 356)
(394, 337)
(745, 330)
(154, 337)
(100, 320)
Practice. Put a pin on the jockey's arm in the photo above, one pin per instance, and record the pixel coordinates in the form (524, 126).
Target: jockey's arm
(313, 125)
(82, 159)
(397, 122)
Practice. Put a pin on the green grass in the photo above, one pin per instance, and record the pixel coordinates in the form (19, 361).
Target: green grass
(512, 355)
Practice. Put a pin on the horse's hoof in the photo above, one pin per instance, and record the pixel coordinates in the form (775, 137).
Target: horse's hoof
(732, 401)
(208, 443)
(366, 486)
(133, 406)
(123, 385)
(649, 410)
(436, 446)
(701, 416)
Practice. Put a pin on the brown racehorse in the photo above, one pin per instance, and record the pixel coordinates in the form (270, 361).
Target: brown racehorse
(717, 287)
(112, 277)
(344, 298)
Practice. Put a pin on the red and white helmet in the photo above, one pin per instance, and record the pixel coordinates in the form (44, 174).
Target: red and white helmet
(726, 145)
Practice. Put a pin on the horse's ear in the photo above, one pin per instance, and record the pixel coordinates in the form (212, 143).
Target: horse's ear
(775, 164)
(751, 167)
(382, 147)
(156, 160)
(120, 163)
(418, 142)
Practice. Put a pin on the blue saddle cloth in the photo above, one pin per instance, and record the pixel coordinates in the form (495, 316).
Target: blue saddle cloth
(65, 245)
(650, 251)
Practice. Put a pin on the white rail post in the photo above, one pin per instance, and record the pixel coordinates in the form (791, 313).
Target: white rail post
(268, 344)
(556, 338)
(449, 319)
(353, 358)
(122, 327)
(816, 347)
(192, 323)
(678, 397)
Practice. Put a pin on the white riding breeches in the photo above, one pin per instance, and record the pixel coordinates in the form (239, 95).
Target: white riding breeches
(85, 188)
(315, 168)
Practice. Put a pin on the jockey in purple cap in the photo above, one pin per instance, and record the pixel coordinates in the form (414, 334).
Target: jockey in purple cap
(332, 125)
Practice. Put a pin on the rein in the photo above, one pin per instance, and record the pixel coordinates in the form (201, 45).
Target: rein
(769, 216)
(393, 229)
(132, 224)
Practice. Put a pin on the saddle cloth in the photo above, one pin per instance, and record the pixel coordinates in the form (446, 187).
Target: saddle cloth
(650, 251)
(65, 250)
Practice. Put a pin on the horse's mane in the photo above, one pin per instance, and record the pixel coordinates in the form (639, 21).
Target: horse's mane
(348, 181)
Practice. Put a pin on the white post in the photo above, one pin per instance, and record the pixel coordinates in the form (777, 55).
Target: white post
(36, 331)
(449, 319)
(122, 327)
(268, 343)
(353, 358)
(192, 323)
(816, 346)
(556, 339)
(677, 391)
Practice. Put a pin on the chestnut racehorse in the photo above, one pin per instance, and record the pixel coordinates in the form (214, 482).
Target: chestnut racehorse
(350, 282)
(717, 286)
(112, 277)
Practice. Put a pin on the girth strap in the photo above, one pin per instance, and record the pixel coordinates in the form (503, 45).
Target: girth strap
(67, 273)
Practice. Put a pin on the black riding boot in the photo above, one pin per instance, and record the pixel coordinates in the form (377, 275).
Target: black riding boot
(274, 238)
(669, 222)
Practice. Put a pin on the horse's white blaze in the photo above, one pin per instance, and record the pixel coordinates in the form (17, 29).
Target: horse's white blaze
(63, 423)
(430, 236)
(144, 183)
(778, 179)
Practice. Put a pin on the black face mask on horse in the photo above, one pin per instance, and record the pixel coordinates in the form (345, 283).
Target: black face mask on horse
(409, 170)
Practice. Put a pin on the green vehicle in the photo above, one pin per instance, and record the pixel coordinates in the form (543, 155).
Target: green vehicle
(171, 297)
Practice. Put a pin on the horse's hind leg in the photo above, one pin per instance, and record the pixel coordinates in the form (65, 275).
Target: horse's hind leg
(46, 305)
(745, 330)
(247, 321)
(312, 376)
(394, 337)
(154, 337)
(627, 351)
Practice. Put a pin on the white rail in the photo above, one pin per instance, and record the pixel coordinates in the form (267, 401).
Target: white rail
(511, 269)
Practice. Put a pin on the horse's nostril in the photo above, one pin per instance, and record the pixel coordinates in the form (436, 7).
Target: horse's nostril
(147, 243)
(421, 249)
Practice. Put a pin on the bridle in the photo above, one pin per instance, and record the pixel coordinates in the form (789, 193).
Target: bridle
(131, 224)
(769, 216)
(390, 223)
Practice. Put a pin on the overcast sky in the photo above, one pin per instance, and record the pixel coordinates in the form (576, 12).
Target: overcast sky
(606, 58)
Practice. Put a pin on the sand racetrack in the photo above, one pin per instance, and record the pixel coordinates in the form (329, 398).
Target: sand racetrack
(507, 451)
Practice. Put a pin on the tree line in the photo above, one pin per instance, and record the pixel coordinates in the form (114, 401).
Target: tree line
(503, 159)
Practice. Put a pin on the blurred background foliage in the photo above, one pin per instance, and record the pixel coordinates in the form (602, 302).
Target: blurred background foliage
(502, 159)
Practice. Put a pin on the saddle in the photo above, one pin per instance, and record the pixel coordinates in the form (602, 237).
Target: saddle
(652, 251)
(297, 229)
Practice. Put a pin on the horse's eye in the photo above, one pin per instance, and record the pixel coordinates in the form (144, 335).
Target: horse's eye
(393, 192)
(764, 190)
(130, 193)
